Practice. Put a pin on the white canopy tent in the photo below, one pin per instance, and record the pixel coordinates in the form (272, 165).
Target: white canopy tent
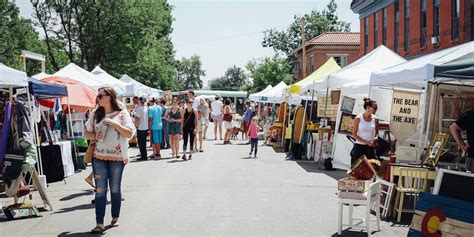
(40, 76)
(353, 80)
(140, 89)
(256, 96)
(10, 77)
(278, 94)
(81, 75)
(418, 75)
(122, 88)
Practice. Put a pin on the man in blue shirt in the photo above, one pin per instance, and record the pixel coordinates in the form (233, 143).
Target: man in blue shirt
(156, 126)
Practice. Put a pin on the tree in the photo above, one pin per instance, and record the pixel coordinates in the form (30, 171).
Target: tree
(316, 22)
(124, 37)
(18, 34)
(233, 80)
(189, 73)
(269, 71)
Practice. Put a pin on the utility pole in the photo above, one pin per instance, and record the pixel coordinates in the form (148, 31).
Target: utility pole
(303, 42)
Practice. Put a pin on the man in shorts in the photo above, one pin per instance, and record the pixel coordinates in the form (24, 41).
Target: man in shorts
(216, 113)
(156, 126)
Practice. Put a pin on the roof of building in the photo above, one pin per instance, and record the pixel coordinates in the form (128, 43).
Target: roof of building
(337, 38)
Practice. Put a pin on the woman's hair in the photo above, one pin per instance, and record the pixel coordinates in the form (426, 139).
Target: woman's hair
(254, 120)
(368, 102)
(100, 112)
(203, 101)
(227, 102)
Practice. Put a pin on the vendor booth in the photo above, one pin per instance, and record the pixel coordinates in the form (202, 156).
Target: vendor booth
(256, 96)
(123, 89)
(79, 74)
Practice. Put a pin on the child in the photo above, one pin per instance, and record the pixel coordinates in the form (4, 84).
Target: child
(252, 133)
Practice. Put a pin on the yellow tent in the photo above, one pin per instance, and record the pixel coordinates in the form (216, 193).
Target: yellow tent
(327, 68)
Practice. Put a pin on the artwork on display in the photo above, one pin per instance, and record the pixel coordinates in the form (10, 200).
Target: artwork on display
(331, 110)
(436, 149)
(407, 154)
(404, 114)
(347, 105)
(168, 97)
(345, 125)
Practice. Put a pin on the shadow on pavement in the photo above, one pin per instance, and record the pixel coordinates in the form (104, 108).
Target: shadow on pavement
(176, 161)
(313, 167)
(79, 207)
(77, 234)
(353, 233)
(76, 195)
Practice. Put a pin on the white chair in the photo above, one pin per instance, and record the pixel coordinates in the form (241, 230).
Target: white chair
(367, 199)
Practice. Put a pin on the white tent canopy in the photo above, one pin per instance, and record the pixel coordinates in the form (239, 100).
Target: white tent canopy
(40, 76)
(417, 72)
(122, 88)
(140, 89)
(357, 74)
(256, 96)
(81, 75)
(12, 77)
(276, 94)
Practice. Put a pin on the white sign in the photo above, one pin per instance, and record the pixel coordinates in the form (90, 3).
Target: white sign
(404, 116)
(331, 111)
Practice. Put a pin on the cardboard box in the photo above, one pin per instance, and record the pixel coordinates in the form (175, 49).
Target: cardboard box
(353, 185)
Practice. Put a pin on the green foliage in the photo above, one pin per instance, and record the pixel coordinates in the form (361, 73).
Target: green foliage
(316, 22)
(189, 73)
(123, 37)
(234, 79)
(269, 71)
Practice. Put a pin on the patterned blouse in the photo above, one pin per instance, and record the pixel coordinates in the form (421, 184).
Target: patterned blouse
(113, 146)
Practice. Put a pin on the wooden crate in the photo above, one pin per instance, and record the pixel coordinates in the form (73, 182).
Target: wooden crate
(353, 185)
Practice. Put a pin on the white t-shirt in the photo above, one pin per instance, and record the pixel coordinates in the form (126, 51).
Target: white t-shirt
(113, 146)
(217, 107)
(142, 113)
(366, 129)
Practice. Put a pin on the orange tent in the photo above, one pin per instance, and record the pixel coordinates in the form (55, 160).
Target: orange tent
(81, 96)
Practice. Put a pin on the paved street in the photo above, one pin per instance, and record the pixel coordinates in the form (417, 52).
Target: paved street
(220, 192)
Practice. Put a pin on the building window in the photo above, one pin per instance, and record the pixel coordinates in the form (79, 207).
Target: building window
(407, 26)
(376, 27)
(435, 17)
(384, 26)
(455, 19)
(397, 19)
(423, 23)
(311, 65)
(366, 34)
(341, 59)
(297, 67)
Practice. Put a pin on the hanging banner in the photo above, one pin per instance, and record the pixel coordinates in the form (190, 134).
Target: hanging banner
(331, 111)
(404, 116)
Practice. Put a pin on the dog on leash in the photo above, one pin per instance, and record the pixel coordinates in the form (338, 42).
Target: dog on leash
(236, 131)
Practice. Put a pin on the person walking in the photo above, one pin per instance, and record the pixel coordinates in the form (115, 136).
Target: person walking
(227, 121)
(203, 120)
(208, 103)
(252, 134)
(110, 126)
(247, 118)
(165, 144)
(365, 131)
(156, 126)
(174, 117)
(216, 112)
(192, 97)
(190, 120)
(141, 123)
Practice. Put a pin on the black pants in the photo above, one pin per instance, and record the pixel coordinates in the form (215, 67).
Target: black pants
(141, 137)
(362, 150)
(188, 133)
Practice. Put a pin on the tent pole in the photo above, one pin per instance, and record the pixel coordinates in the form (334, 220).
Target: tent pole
(34, 128)
(325, 123)
(430, 112)
(312, 104)
(70, 117)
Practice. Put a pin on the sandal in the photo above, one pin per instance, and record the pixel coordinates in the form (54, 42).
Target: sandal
(114, 223)
(98, 230)
(90, 182)
(184, 157)
(190, 157)
(201, 150)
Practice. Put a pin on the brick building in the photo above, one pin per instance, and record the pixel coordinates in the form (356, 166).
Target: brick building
(342, 46)
(414, 27)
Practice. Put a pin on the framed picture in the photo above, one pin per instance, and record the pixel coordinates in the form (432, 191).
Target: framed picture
(347, 104)
(345, 125)
(407, 154)
(436, 149)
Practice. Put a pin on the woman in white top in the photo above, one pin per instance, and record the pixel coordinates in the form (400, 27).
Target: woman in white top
(109, 126)
(365, 130)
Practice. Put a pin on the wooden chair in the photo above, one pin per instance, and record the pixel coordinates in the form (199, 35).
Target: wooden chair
(368, 199)
(411, 182)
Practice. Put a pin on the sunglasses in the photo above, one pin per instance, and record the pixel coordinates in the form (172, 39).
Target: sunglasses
(100, 96)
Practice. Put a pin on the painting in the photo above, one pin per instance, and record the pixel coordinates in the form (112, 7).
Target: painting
(347, 105)
(345, 125)
(436, 149)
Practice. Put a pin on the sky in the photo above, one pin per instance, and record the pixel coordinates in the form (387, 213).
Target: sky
(229, 32)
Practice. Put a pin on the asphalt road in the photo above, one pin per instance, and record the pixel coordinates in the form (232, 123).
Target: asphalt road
(221, 192)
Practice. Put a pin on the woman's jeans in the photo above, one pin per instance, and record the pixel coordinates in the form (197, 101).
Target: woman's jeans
(107, 172)
(253, 145)
(188, 134)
